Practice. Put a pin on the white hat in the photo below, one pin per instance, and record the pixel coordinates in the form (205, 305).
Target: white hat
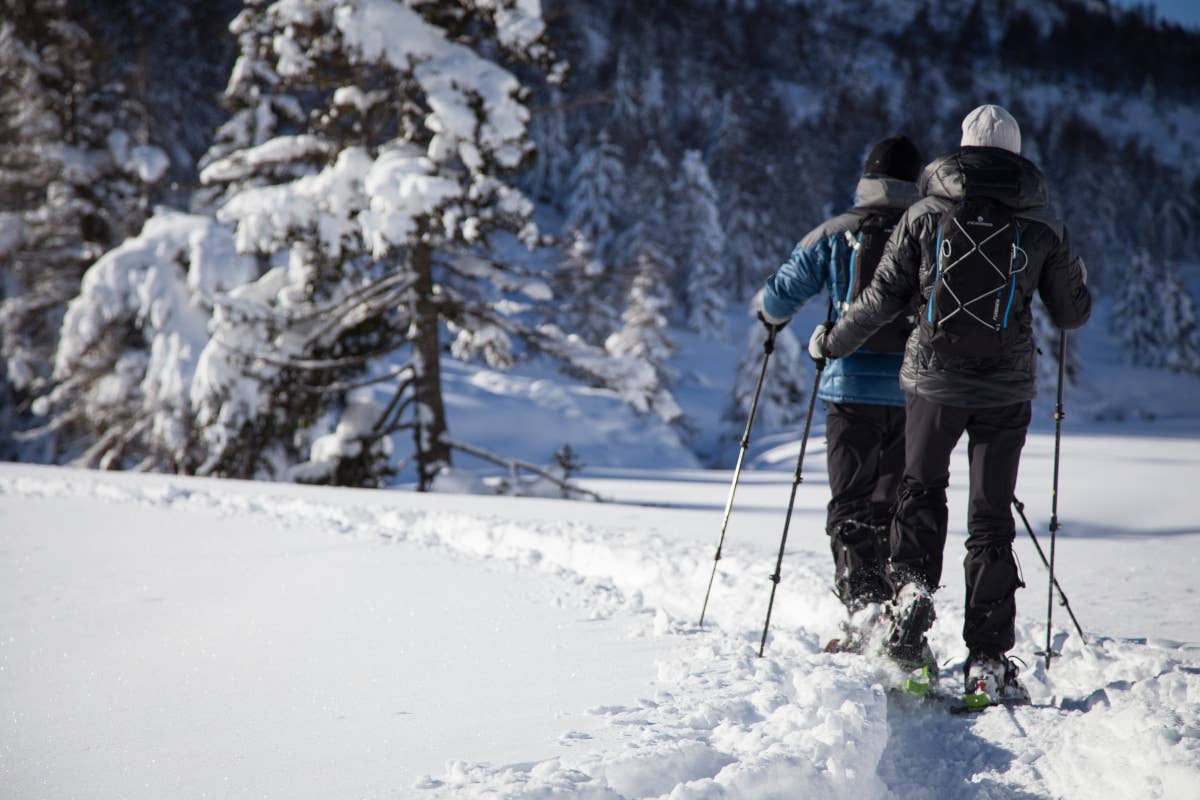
(991, 126)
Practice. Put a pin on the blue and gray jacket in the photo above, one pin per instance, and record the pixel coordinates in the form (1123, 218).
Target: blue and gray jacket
(815, 266)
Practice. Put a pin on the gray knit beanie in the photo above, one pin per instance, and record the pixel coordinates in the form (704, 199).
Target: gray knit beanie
(991, 126)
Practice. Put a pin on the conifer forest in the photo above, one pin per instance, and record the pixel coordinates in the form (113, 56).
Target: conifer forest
(256, 239)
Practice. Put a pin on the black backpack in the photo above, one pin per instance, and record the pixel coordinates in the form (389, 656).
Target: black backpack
(971, 301)
(866, 243)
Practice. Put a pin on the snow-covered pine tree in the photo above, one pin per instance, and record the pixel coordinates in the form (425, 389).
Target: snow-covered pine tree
(261, 112)
(650, 231)
(131, 340)
(643, 247)
(593, 227)
(73, 182)
(700, 241)
(593, 207)
(649, 188)
(373, 195)
(643, 334)
(1136, 318)
(736, 168)
(1180, 333)
(547, 178)
(745, 224)
(174, 57)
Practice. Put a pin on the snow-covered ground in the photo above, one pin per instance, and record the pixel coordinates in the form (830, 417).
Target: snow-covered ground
(174, 637)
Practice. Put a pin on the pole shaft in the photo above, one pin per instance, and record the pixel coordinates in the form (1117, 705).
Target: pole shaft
(768, 348)
(797, 478)
(1058, 418)
(1062, 596)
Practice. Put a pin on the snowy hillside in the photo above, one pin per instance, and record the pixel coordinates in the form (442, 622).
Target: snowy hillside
(172, 637)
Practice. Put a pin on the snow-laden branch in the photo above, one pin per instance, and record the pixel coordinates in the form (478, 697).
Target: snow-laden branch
(296, 362)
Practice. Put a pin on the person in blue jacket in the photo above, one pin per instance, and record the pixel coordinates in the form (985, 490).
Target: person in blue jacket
(864, 420)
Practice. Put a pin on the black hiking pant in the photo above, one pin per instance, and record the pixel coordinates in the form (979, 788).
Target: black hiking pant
(865, 458)
(995, 437)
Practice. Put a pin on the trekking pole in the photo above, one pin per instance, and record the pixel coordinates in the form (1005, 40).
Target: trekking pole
(1062, 596)
(1058, 418)
(768, 348)
(797, 478)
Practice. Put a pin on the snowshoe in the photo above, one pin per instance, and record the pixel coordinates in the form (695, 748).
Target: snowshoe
(991, 680)
(920, 675)
(919, 681)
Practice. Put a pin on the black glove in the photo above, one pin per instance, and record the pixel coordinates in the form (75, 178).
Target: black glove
(772, 327)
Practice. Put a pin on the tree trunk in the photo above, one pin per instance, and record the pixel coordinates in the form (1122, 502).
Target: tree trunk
(429, 411)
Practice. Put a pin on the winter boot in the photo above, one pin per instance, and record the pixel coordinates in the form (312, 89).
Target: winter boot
(860, 562)
(911, 614)
(991, 679)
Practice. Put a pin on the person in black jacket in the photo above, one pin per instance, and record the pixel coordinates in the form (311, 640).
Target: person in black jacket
(969, 366)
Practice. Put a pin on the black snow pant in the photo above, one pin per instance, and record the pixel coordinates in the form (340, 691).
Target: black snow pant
(865, 458)
(995, 437)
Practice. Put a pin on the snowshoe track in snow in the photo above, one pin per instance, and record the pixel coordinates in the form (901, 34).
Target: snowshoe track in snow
(1115, 718)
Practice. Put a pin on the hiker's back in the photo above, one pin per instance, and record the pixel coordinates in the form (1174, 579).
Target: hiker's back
(989, 241)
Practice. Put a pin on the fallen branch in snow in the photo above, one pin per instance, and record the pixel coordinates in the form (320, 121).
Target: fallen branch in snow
(513, 464)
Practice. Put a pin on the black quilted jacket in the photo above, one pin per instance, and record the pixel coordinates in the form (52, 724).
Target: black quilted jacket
(905, 276)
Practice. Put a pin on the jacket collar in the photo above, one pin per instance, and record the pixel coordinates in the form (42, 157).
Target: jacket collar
(879, 192)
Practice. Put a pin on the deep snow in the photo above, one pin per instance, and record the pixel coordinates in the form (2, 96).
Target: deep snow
(166, 636)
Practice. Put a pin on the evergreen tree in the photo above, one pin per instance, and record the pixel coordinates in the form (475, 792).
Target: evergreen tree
(596, 185)
(589, 273)
(369, 159)
(643, 334)
(174, 56)
(1180, 334)
(1135, 317)
(744, 218)
(130, 343)
(649, 195)
(262, 110)
(701, 243)
(547, 179)
(370, 145)
(73, 181)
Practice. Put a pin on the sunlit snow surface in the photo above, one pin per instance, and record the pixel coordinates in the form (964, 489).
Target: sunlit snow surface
(169, 637)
